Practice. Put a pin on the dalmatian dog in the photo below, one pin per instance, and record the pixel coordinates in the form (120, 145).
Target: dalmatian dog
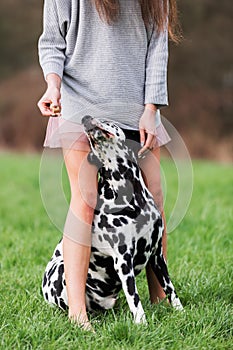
(126, 231)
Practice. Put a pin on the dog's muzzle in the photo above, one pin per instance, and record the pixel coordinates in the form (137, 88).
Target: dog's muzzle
(89, 123)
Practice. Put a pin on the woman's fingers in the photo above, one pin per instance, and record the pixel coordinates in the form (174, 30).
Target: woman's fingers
(44, 107)
(49, 103)
(148, 145)
(153, 143)
(142, 137)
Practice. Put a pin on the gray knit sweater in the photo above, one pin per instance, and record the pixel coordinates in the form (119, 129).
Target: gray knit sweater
(108, 71)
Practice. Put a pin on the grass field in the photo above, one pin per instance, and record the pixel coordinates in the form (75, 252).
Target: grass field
(200, 262)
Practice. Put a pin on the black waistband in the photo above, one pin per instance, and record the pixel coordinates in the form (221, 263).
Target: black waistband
(133, 135)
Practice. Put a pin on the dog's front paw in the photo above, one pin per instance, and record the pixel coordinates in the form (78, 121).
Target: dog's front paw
(176, 303)
(140, 318)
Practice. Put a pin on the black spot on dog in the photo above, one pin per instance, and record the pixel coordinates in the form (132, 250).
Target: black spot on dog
(121, 239)
(113, 277)
(122, 248)
(153, 216)
(141, 245)
(160, 222)
(104, 289)
(129, 163)
(154, 236)
(106, 174)
(116, 175)
(95, 306)
(137, 271)
(63, 305)
(115, 238)
(128, 211)
(57, 253)
(148, 248)
(120, 145)
(94, 249)
(104, 222)
(117, 222)
(128, 259)
(125, 269)
(136, 299)
(122, 168)
(123, 220)
(58, 283)
(108, 239)
(108, 193)
(139, 194)
(120, 160)
(168, 290)
(129, 175)
(92, 267)
(142, 220)
(44, 280)
(103, 261)
(56, 300)
(51, 271)
(140, 259)
(130, 285)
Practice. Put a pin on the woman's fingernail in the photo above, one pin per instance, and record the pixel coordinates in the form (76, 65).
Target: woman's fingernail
(142, 143)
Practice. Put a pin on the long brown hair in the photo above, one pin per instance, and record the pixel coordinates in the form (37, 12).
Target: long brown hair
(153, 11)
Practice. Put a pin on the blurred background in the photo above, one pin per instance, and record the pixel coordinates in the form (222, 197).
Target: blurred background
(200, 78)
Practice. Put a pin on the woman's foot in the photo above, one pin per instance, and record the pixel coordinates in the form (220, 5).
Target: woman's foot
(81, 320)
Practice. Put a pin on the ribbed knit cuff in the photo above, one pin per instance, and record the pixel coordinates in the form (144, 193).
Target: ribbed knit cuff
(52, 67)
(157, 95)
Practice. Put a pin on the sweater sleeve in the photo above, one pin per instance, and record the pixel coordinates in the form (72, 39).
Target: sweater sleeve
(156, 69)
(52, 42)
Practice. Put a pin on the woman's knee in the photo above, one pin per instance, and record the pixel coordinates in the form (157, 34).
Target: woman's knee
(83, 199)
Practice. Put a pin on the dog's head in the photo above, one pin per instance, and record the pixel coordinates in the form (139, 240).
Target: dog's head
(106, 138)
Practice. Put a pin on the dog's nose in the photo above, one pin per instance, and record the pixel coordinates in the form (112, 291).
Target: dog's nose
(86, 120)
(89, 122)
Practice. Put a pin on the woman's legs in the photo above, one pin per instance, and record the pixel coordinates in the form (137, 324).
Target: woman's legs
(77, 231)
(150, 166)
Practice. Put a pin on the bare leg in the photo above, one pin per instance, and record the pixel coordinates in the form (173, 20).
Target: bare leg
(150, 166)
(77, 232)
(155, 290)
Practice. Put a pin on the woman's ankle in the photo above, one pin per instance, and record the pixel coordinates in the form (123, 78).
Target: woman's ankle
(78, 312)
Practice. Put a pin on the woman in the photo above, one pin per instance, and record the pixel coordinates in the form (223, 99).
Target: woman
(106, 58)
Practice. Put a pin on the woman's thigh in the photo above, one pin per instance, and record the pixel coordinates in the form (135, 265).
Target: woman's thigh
(82, 178)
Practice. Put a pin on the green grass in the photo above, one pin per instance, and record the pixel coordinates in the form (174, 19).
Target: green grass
(200, 263)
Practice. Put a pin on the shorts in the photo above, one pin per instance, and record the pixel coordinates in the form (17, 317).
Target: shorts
(62, 133)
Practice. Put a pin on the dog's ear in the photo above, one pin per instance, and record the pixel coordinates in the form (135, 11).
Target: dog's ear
(92, 159)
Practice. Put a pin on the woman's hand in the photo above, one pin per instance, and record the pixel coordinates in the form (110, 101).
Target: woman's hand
(147, 130)
(50, 104)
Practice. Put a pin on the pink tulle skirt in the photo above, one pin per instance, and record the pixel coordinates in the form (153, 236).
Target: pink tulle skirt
(62, 133)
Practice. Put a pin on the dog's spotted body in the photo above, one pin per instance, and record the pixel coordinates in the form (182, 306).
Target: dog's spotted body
(126, 234)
